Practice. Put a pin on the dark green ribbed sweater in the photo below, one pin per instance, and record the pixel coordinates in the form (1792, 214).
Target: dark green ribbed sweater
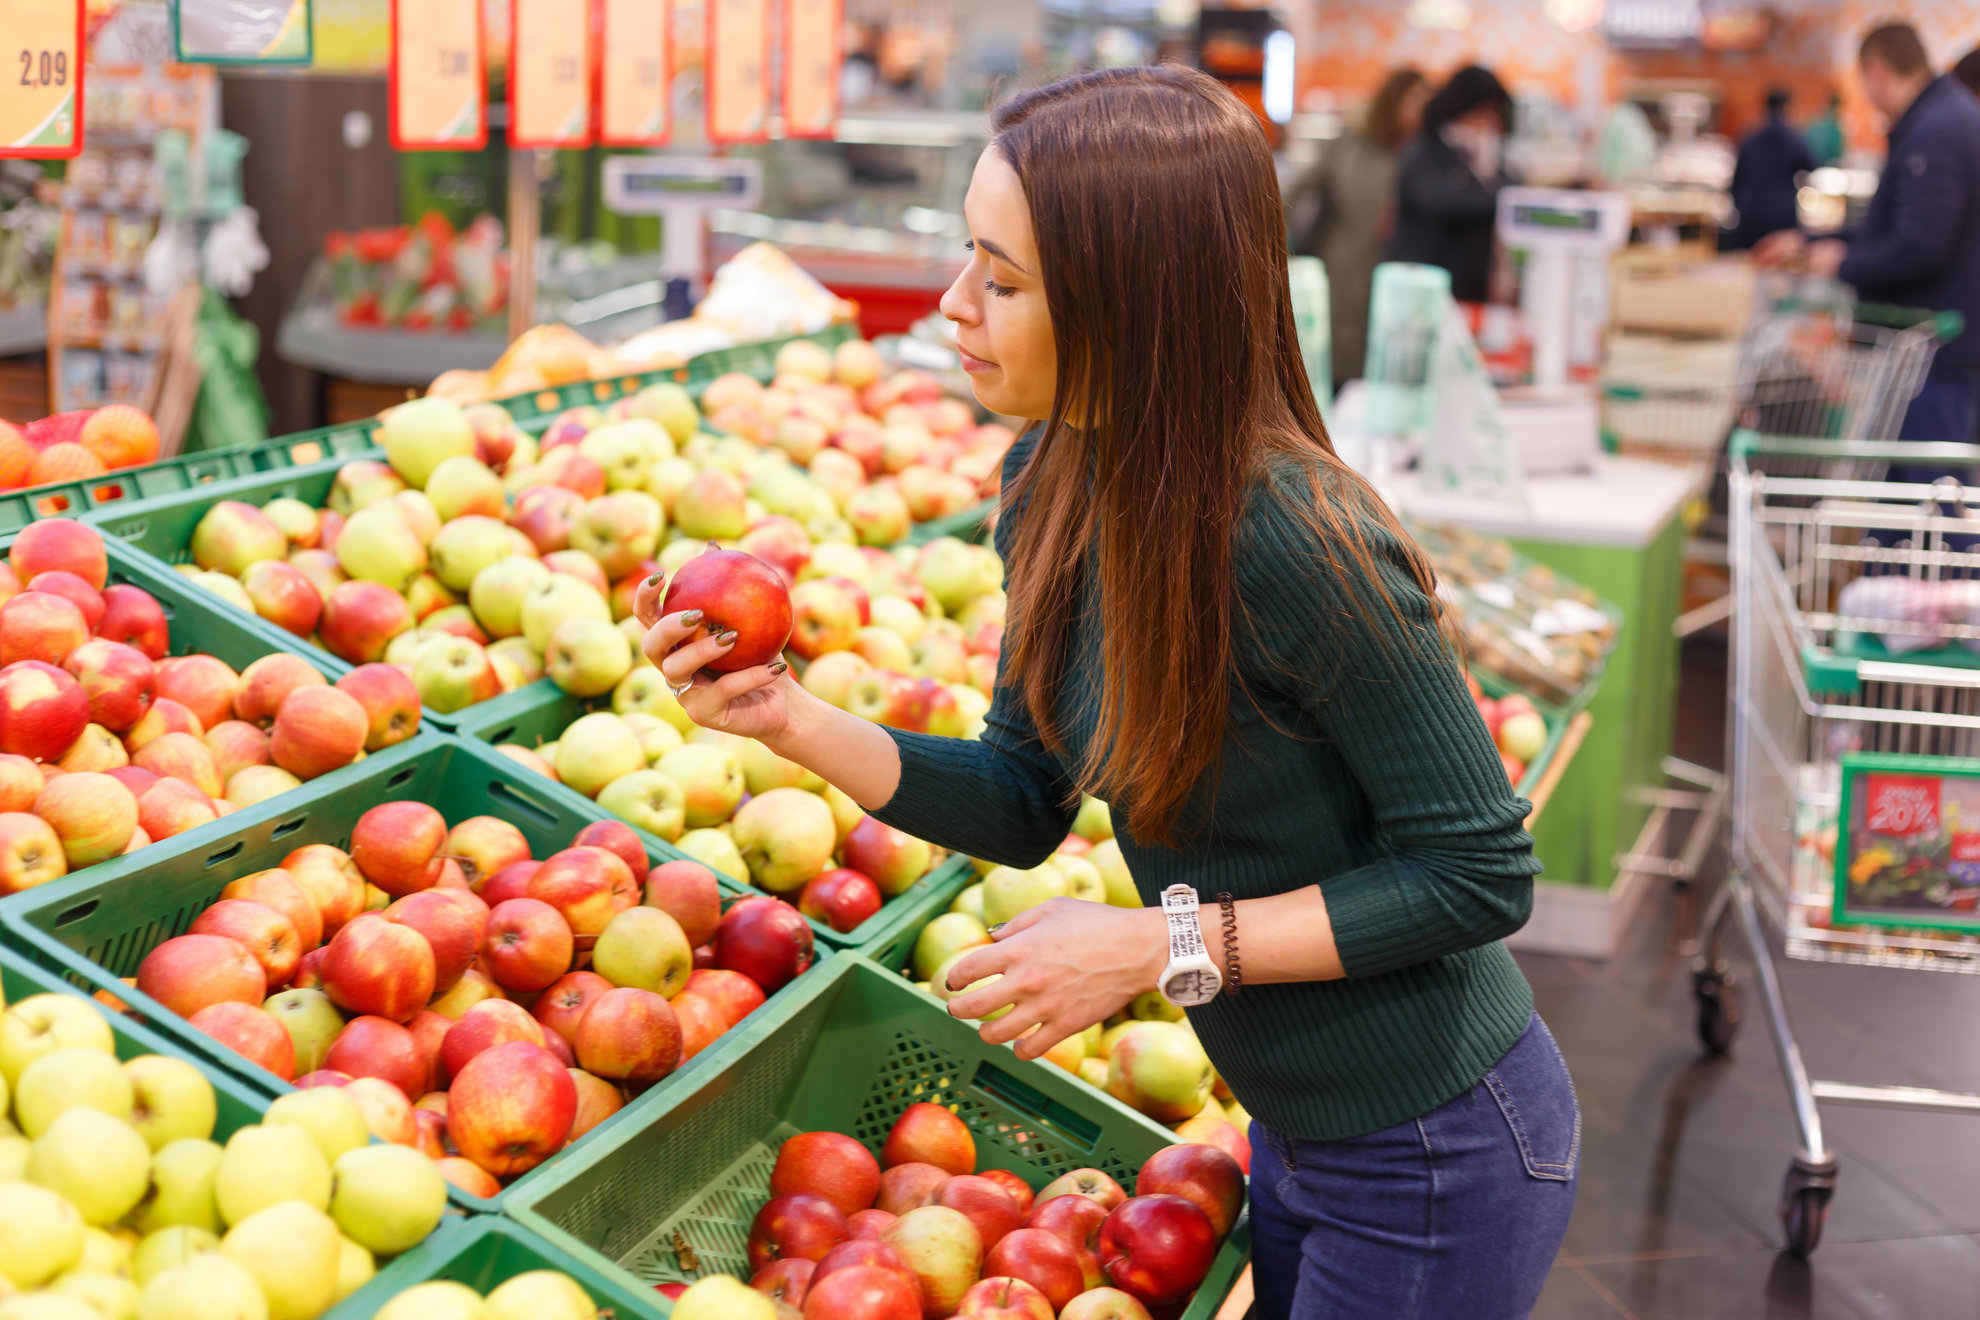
(1357, 762)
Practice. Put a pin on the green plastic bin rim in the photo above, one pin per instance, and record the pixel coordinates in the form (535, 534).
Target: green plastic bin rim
(463, 1241)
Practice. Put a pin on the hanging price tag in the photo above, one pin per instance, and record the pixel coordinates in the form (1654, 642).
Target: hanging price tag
(243, 31)
(636, 73)
(439, 76)
(41, 78)
(549, 74)
(738, 71)
(813, 55)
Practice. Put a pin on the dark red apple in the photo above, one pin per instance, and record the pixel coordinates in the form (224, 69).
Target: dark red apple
(984, 1204)
(830, 1165)
(864, 1293)
(794, 1227)
(1157, 1248)
(842, 898)
(1202, 1175)
(785, 1280)
(766, 939)
(1044, 1260)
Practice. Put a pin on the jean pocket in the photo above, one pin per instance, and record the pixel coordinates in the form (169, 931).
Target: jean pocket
(1534, 1092)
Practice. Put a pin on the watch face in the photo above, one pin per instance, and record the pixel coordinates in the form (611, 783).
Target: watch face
(1192, 987)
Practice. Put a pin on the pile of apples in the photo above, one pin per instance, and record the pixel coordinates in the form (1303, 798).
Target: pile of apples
(72, 446)
(919, 1233)
(108, 745)
(115, 1200)
(1148, 1058)
(399, 972)
(1518, 730)
(535, 1295)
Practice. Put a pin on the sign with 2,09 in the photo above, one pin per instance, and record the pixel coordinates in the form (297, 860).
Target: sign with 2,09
(41, 78)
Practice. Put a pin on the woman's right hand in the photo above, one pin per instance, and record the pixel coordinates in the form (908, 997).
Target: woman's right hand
(753, 703)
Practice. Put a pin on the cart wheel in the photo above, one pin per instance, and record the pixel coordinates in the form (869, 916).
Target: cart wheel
(1718, 1009)
(1804, 1209)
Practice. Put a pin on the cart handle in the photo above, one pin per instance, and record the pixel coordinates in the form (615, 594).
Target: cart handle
(1747, 443)
(1946, 325)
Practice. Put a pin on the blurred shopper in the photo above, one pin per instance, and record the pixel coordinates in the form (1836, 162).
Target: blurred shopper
(1968, 71)
(1766, 177)
(1825, 135)
(1448, 181)
(1919, 244)
(1348, 208)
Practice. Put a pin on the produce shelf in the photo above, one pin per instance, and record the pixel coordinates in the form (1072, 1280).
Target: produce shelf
(857, 1047)
(531, 716)
(482, 1252)
(96, 927)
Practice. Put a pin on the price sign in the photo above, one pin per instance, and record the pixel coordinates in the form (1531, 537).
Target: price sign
(636, 73)
(243, 31)
(41, 78)
(1908, 842)
(738, 71)
(550, 60)
(439, 76)
(813, 55)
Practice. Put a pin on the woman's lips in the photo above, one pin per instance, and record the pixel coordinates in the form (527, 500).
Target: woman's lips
(972, 363)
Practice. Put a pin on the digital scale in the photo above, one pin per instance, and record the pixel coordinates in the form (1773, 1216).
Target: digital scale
(682, 191)
(1567, 236)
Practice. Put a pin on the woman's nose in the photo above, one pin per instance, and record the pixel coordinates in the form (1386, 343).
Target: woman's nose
(956, 303)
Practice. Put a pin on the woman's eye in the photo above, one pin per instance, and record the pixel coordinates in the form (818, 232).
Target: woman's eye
(999, 290)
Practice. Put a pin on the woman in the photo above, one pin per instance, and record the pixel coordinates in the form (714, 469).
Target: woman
(1218, 627)
(1448, 181)
(1350, 202)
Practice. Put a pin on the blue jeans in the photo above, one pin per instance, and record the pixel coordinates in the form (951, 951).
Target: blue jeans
(1457, 1213)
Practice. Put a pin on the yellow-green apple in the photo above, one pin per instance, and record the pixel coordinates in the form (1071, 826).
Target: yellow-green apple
(96, 1162)
(250, 1033)
(528, 944)
(375, 966)
(764, 770)
(994, 1211)
(625, 451)
(644, 691)
(1203, 1175)
(317, 730)
(188, 972)
(42, 1236)
(387, 1199)
(293, 1252)
(511, 1108)
(226, 588)
(42, 1024)
(929, 1134)
(376, 545)
(712, 507)
(361, 618)
(319, 568)
(452, 673)
(646, 949)
(419, 435)
(831, 677)
(558, 597)
(300, 523)
(1161, 1070)
(496, 597)
(390, 701)
(538, 1295)
(92, 815)
(426, 597)
(942, 939)
(710, 781)
(488, 1024)
(942, 1249)
(952, 574)
(656, 736)
(171, 1100)
(1008, 891)
(879, 515)
(463, 485)
(452, 921)
(269, 1164)
(515, 664)
(544, 514)
(899, 615)
(1157, 1248)
(388, 1115)
(96, 749)
(588, 887)
(311, 1021)
(667, 479)
(454, 621)
(231, 535)
(714, 848)
(183, 1174)
(786, 836)
(1082, 877)
(70, 1079)
(1104, 1304)
(359, 485)
(587, 657)
(893, 858)
(563, 1003)
(1106, 858)
(882, 648)
(595, 750)
(577, 564)
(668, 406)
(397, 846)
(116, 680)
(43, 710)
(465, 547)
(842, 898)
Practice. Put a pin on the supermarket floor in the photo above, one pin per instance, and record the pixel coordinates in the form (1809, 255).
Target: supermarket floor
(1682, 1158)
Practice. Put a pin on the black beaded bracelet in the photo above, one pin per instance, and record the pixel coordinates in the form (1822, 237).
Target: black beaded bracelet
(1234, 973)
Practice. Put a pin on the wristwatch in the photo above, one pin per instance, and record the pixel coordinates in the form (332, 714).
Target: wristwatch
(1190, 978)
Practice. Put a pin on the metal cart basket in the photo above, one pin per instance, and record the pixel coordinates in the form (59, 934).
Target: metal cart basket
(1812, 683)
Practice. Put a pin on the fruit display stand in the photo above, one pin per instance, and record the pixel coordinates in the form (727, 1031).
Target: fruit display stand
(96, 927)
(482, 1251)
(672, 1197)
(530, 716)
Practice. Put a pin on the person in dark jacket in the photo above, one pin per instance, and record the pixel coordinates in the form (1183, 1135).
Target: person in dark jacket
(1919, 243)
(1766, 178)
(1967, 71)
(1448, 181)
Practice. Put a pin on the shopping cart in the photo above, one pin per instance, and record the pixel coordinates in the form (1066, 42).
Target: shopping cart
(1821, 671)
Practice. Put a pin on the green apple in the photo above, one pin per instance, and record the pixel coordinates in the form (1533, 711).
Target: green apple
(670, 407)
(292, 1251)
(846, 813)
(972, 709)
(644, 948)
(170, 1248)
(1083, 880)
(464, 485)
(587, 658)
(1093, 1072)
(331, 1118)
(437, 1300)
(969, 902)
(41, 1235)
(207, 1287)
(595, 750)
(786, 836)
(42, 1024)
(421, 434)
(898, 615)
(452, 673)
(626, 451)
(355, 1267)
(1094, 822)
(183, 1176)
(1008, 891)
(496, 596)
(719, 1297)
(1153, 1006)
(710, 780)
(14, 1150)
(558, 597)
(70, 1079)
(656, 736)
(376, 545)
(944, 938)
(102, 1296)
(312, 1021)
(649, 800)
(715, 850)
(681, 548)
(388, 1198)
(645, 690)
(99, 1163)
(514, 660)
(105, 1252)
(1161, 1070)
(543, 1295)
(266, 1164)
(1106, 859)
(764, 770)
(173, 1100)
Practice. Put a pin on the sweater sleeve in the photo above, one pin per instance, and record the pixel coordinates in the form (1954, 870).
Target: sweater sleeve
(1390, 697)
(1004, 797)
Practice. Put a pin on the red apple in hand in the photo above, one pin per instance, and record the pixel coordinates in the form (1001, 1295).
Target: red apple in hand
(1043, 1260)
(930, 1134)
(1004, 1299)
(986, 1205)
(864, 1293)
(830, 1165)
(1202, 1175)
(1157, 1248)
(766, 939)
(794, 1227)
(735, 591)
(511, 1108)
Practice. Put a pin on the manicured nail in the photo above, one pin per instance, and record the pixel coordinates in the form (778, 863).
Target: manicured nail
(999, 926)
(778, 666)
(690, 618)
(726, 638)
(654, 580)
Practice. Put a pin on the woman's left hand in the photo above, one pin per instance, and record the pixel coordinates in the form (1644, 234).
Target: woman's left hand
(1062, 966)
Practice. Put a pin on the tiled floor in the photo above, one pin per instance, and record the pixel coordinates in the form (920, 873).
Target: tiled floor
(1682, 1158)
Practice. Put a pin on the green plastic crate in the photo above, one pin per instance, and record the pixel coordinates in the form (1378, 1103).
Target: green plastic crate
(96, 927)
(856, 1049)
(532, 717)
(483, 1252)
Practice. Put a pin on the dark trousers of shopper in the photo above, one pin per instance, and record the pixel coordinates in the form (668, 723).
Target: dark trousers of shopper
(1457, 1213)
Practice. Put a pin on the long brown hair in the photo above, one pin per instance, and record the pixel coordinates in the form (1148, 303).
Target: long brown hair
(1162, 240)
(1384, 123)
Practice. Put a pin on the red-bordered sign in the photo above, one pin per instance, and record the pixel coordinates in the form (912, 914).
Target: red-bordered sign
(42, 54)
(439, 76)
(636, 73)
(551, 68)
(738, 71)
(814, 57)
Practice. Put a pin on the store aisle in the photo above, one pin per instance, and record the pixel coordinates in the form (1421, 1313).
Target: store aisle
(1682, 1158)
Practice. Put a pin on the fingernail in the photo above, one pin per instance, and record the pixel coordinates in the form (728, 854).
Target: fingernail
(654, 580)
(726, 638)
(778, 667)
(690, 618)
(999, 926)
